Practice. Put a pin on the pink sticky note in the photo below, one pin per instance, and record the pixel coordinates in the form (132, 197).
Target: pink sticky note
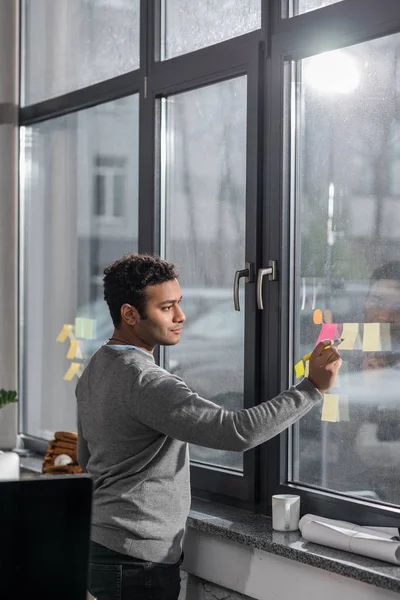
(328, 332)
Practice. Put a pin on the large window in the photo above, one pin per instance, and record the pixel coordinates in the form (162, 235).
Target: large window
(349, 219)
(72, 44)
(74, 203)
(188, 25)
(226, 136)
(205, 200)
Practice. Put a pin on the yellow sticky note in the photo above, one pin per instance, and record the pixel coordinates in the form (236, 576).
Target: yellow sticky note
(350, 334)
(73, 350)
(74, 369)
(307, 369)
(65, 332)
(343, 408)
(299, 369)
(330, 408)
(371, 338)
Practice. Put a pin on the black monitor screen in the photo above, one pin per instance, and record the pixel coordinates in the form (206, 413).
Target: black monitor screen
(44, 533)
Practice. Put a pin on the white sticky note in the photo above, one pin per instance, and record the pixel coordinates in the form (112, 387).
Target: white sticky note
(330, 408)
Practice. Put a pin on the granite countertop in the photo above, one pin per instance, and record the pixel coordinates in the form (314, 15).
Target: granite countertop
(256, 531)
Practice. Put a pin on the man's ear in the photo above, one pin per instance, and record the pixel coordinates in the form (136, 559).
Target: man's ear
(129, 314)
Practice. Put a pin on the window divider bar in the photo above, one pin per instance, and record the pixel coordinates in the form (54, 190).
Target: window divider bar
(224, 53)
(98, 93)
(344, 23)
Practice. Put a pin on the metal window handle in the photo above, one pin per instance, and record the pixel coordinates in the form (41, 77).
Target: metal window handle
(271, 271)
(247, 273)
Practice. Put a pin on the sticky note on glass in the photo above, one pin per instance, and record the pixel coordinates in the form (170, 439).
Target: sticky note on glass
(75, 369)
(386, 342)
(317, 316)
(330, 408)
(299, 369)
(350, 334)
(65, 332)
(85, 328)
(371, 339)
(328, 332)
(376, 337)
(74, 350)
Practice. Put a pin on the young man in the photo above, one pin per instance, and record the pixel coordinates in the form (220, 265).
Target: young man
(134, 423)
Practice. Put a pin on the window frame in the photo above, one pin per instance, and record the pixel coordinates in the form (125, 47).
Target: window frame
(336, 26)
(261, 55)
(234, 60)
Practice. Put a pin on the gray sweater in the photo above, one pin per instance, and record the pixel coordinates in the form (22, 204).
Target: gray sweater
(134, 422)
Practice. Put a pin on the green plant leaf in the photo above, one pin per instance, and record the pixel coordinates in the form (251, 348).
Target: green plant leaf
(7, 397)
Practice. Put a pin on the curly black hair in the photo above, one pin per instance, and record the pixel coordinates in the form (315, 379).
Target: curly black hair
(125, 281)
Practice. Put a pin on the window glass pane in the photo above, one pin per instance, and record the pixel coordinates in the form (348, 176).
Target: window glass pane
(188, 26)
(71, 234)
(293, 8)
(348, 150)
(99, 195)
(119, 195)
(204, 158)
(72, 44)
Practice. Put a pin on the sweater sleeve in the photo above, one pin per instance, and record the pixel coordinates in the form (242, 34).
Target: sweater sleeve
(83, 450)
(166, 404)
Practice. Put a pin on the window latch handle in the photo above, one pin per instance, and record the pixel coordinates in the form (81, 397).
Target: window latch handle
(272, 273)
(248, 276)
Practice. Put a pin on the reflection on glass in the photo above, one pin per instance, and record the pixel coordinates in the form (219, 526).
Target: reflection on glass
(72, 44)
(205, 188)
(348, 156)
(293, 8)
(187, 25)
(77, 221)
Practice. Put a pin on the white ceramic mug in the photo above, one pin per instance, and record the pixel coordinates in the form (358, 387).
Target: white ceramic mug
(285, 512)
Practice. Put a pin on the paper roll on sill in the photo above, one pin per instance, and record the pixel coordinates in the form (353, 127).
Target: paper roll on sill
(365, 541)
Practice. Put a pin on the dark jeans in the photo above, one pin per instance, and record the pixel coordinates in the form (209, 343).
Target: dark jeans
(115, 576)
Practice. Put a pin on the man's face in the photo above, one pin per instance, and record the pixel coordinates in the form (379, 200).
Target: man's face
(163, 320)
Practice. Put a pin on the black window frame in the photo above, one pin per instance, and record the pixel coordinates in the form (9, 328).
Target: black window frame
(336, 26)
(261, 55)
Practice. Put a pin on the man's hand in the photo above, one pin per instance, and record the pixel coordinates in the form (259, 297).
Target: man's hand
(324, 366)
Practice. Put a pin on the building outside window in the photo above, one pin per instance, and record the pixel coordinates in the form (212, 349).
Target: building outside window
(109, 188)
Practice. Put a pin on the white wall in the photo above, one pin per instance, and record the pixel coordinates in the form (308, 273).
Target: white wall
(262, 575)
